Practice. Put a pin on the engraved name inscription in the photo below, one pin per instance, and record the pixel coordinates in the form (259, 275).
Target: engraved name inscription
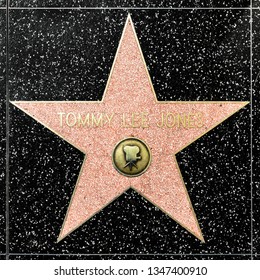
(131, 120)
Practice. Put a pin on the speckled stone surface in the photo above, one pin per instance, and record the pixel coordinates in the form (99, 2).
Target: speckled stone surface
(256, 3)
(129, 78)
(256, 130)
(2, 129)
(2, 3)
(71, 61)
(129, 257)
(129, 3)
(191, 55)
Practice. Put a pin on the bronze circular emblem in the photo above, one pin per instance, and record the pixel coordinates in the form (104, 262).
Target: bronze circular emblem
(131, 157)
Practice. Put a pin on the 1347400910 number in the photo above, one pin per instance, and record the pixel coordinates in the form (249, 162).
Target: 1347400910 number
(167, 270)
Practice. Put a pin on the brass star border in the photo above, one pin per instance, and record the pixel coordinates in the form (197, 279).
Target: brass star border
(167, 191)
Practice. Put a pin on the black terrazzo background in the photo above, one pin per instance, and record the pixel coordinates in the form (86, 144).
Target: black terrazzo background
(53, 57)
(129, 3)
(197, 55)
(256, 130)
(62, 55)
(2, 129)
(191, 55)
(129, 257)
(256, 3)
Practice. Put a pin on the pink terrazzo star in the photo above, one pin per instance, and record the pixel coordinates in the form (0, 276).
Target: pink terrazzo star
(129, 90)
